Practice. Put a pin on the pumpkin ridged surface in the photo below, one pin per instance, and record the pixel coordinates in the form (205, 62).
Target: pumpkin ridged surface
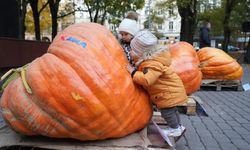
(78, 92)
(185, 63)
(216, 64)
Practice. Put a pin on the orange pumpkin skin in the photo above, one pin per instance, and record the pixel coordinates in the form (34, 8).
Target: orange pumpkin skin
(80, 89)
(185, 63)
(216, 64)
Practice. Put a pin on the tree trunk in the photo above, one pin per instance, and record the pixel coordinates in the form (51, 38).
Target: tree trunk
(103, 17)
(54, 9)
(36, 17)
(90, 12)
(22, 13)
(188, 20)
(227, 31)
(97, 11)
(247, 54)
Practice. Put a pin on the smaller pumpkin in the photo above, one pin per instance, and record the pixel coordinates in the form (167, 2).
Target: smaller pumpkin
(216, 64)
(185, 63)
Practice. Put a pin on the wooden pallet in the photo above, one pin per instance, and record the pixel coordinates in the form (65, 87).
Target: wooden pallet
(222, 84)
(190, 106)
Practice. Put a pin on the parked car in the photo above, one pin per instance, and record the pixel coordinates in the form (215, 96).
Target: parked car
(232, 48)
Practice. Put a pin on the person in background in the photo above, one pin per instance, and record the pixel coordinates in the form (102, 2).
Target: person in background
(164, 86)
(204, 35)
(128, 28)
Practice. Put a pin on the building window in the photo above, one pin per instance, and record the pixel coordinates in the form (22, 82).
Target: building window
(160, 26)
(171, 12)
(171, 26)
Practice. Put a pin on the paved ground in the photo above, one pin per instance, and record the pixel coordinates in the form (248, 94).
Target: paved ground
(228, 125)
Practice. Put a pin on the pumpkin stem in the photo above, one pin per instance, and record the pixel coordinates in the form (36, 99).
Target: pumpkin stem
(13, 74)
(6, 74)
(26, 85)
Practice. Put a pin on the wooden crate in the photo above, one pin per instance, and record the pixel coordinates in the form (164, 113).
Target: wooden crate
(219, 85)
(188, 108)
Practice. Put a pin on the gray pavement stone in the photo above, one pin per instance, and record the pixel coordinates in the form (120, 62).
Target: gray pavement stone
(192, 136)
(212, 148)
(215, 131)
(211, 112)
(241, 130)
(241, 144)
(228, 146)
(182, 141)
(218, 119)
(212, 127)
(233, 123)
(182, 144)
(189, 128)
(199, 126)
(182, 147)
(241, 120)
(246, 116)
(224, 126)
(246, 126)
(204, 133)
(205, 118)
(227, 117)
(195, 119)
(221, 138)
(246, 109)
(231, 134)
(246, 138)
(210, 142)
(235, 115)
(195, 145)
(229, 110)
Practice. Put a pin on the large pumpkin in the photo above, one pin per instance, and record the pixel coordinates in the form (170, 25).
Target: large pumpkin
(185, 63)
(80, 89)
(216, 64)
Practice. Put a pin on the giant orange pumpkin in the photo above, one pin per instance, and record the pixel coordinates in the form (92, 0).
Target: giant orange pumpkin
(216, 64)
(80, 89)
(185, 63)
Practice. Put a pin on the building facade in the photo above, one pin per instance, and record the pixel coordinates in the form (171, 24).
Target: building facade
(170, 28)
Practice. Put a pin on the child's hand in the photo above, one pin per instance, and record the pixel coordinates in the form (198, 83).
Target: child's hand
(130, 68)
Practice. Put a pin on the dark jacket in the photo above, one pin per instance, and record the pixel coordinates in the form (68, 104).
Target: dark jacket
(204, 37)
(126, 48)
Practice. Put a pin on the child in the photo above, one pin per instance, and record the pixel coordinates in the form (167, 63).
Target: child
(128, 28)
(164, 86)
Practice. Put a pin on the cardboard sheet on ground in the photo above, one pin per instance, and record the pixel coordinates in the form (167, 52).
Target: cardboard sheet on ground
(246, 87)
(148, 137)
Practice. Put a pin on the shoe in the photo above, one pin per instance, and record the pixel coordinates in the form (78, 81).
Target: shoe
(174, 132)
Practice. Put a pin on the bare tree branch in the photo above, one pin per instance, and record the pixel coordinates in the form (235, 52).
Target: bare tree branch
(89, 10)
(44, 6)
(69, 13)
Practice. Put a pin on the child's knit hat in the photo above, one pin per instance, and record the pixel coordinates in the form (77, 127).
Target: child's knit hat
(129, 26)
(143, 41)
